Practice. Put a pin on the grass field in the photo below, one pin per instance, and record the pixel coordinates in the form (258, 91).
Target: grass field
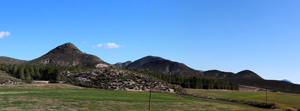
(68, 97)
(284, 100)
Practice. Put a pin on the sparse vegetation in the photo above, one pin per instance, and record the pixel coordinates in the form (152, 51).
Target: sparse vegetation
(284, 100)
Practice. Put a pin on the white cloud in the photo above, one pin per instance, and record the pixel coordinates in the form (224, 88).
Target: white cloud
(3, 34)
(98, 45)
(108, 45)
(83, 42)
(111, 45)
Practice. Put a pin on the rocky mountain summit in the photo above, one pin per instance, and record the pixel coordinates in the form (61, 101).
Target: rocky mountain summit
(118, 79)
(67, 55)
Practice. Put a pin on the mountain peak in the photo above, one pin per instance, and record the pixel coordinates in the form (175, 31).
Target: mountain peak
(67, 55)
(66, 48)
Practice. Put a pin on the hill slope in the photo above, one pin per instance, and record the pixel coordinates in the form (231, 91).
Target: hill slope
(67, 55)
(8, 79)
(8, 60)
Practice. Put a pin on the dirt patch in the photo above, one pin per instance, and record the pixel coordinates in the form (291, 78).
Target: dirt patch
(9, 109)
(44, 86)
(13, 92)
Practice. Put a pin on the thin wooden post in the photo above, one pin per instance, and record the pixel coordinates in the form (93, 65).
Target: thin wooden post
(266, 95)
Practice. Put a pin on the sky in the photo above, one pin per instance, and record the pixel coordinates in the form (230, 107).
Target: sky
(227, 35)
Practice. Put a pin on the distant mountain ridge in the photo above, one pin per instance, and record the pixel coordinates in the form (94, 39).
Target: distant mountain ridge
(161, 65)
(124, 64)
(143, 61)
(170, 67)
(67, 55)
(287, 81)
(216, 74)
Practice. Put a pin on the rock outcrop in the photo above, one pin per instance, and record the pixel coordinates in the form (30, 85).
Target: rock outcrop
(118, 79)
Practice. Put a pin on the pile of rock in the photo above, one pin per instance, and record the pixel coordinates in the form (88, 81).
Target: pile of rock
(11, 82)
(118, 79)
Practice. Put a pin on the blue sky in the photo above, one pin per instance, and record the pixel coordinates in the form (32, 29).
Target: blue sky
(228, 35)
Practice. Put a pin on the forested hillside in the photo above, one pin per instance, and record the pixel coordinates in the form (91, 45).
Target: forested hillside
(37, 72)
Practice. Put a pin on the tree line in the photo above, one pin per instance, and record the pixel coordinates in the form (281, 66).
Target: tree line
(191, 82)
(28, 73)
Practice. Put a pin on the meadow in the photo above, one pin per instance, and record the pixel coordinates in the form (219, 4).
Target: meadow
(68, 97)
(284, 100)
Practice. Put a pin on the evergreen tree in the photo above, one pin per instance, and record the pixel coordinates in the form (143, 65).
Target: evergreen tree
(15, 70)
(21, 74)
(28, 78)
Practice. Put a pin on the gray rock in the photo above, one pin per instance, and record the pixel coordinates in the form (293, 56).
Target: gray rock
(118, 79)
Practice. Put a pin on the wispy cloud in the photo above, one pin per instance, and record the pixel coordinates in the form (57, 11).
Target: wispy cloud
(83, 42)
(108, 45)
(98, 45)
(111, 45)
(3, 34)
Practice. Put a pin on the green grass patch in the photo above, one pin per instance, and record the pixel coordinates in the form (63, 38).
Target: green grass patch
(67, 97)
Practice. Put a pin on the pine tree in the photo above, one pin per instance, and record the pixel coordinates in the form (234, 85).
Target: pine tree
(21, 74)
(15, 70)
(28, 78)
